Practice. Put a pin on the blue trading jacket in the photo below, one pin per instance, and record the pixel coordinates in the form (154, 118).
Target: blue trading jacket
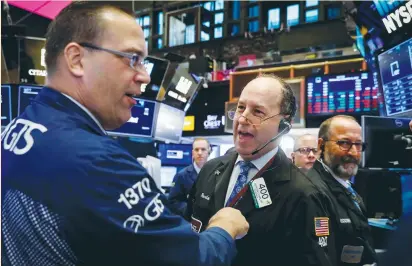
(181, 186)
(72, 195)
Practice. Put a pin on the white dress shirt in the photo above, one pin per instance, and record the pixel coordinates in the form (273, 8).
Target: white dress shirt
(258, 164)
(197, 168)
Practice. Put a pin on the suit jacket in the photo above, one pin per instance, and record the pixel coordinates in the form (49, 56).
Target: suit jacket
(348, 222)
(179, 192)
(282, 233)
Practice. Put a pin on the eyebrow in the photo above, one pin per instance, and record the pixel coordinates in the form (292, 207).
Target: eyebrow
(133, 51)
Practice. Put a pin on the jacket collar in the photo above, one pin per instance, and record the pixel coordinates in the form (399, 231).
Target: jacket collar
(342, 195)
(64, 103)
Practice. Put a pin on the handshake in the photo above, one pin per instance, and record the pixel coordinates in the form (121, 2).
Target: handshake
(230, 220)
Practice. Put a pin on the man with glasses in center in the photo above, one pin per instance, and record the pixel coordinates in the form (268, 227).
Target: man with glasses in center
(287, 214)
(341, 146)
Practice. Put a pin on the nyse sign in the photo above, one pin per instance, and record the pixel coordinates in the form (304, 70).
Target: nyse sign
(213, 122)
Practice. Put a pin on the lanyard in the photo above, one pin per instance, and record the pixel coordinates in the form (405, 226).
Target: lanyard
(246, 187)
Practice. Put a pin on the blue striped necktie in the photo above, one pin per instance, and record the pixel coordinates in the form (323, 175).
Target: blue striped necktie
(241, 179)
(354, 196)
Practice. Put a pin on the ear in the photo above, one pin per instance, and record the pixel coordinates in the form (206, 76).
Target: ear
(321, 144)
(73, 55)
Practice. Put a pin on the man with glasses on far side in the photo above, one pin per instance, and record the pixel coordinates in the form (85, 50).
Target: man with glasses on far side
(305, 151)
(341, 146)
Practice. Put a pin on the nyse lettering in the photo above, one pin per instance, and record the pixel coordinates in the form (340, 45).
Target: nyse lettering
(130, 197)
(12, 135)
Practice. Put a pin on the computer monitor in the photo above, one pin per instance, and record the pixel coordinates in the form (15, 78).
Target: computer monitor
(26, 94)
(157, 69)
(169, 123)
(182, 89)
(351, 93)
(6, 105)
(175, 154)
(141, 122)
(389, 143)
(229, 123)
(395, 68)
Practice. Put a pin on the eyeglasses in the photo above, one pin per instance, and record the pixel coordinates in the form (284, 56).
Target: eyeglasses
(136, 60)
(253, 120)
(307, 150)
(346, 145)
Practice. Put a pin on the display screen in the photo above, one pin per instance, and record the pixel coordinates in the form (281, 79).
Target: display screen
(156, 68)
(395, 67)
(5, 105)
(229, 123)
(208, 111)
(175, 154)
(181, 89)
(169, 123)
(389, 142)
(26, 95)
(141, 122)
(351, 93)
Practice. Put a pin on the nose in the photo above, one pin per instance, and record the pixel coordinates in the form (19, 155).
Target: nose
(142, 76)
(353, 151)
(311, 154)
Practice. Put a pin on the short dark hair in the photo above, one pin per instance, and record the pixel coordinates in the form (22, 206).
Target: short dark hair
(77, 22)
(288, 102)
(325, 126)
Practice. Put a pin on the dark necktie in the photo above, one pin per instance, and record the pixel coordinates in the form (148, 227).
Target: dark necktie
(241, 179)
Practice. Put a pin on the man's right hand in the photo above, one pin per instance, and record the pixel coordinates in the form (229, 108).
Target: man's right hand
(230, 220)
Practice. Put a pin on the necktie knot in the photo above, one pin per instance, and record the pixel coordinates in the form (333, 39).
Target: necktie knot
(245, 167)
(241, 180)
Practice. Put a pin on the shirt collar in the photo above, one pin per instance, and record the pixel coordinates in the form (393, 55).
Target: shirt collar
(87, 112)
(341, 181)
(261, 161)
(197, 168)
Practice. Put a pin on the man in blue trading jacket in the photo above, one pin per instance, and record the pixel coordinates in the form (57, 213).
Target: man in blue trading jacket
(71, 195)
(287, 213)
(341, 146)
(183, 181)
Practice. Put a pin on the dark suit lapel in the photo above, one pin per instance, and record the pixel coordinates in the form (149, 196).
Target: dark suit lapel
(342, 194)
(222, 177)
(277, 172)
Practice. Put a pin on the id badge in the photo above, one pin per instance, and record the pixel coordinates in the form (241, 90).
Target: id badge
(260, 193)
(196, 225)
(351, 254)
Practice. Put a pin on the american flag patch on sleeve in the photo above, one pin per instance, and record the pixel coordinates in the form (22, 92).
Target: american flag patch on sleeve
(321, 226)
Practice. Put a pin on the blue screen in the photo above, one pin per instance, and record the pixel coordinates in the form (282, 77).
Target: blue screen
(26, 94)
(406, 194)
(342, 94)
(5, 105)
(395, 66)
(175, 154)
(141, 122)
